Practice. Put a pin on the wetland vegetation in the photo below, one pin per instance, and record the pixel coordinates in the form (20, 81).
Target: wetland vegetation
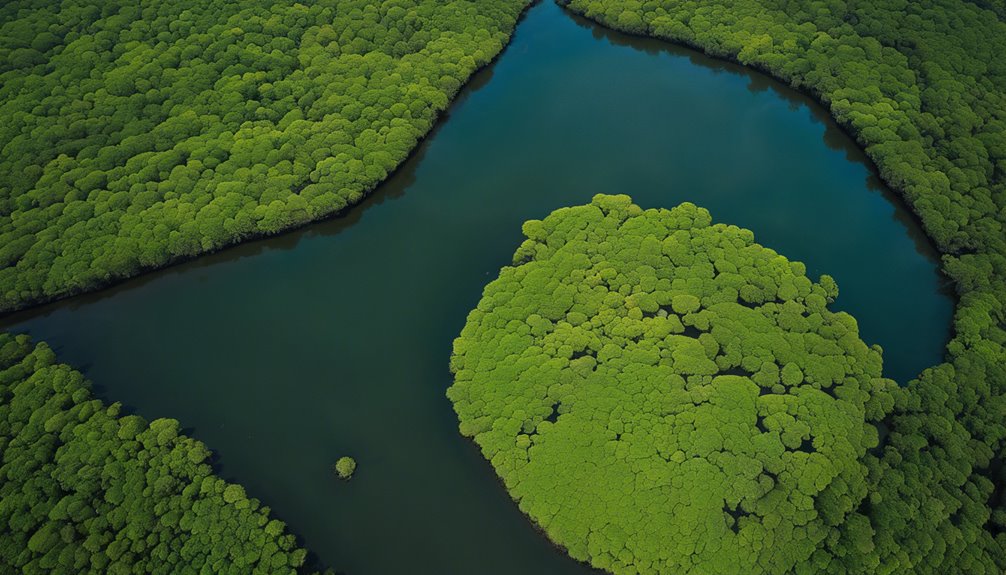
(135, 136)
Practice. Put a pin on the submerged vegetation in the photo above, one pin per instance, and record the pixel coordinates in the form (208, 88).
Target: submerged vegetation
(138, 133)
(664, 395)
(85, 489)
(922, 86)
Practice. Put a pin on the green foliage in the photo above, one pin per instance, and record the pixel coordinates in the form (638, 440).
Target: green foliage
(135, 133)
(345, 467)
(922, 87)
(663, 395)
(86, 490)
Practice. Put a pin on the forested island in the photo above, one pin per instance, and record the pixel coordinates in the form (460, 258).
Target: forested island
(658, 393)
(664, 395)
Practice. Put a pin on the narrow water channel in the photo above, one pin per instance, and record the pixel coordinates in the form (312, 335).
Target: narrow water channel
(283, 355)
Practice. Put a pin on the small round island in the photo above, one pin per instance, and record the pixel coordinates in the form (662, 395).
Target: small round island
(345, 467)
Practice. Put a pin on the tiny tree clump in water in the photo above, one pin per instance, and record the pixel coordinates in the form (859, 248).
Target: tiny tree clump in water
(664, 395)
(345, 467)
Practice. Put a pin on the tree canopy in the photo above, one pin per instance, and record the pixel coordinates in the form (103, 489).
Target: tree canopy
(344, 467)
(87, 489)
(663, 395)
(136, 133)
(922, 87)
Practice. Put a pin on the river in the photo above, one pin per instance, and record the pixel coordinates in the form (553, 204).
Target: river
(284, 354)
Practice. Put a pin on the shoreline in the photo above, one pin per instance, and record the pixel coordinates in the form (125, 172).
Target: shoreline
(825, 105)
(435, 124)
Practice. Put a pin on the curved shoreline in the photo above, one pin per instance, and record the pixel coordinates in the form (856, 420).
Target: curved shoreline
(972, 255)
(814, 95)
(357, 207)
(435, 124)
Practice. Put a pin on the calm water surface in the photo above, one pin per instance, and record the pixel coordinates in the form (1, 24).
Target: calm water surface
(284, 354)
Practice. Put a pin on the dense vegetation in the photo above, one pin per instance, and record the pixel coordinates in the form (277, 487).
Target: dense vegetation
(134, 134)
(922, 86)
(137, 133)
(663, 395)
(84, 489)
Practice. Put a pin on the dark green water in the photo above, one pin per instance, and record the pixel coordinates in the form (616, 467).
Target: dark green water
(284, 354)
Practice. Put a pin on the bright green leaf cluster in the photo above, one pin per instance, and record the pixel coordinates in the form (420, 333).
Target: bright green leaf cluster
(344, 467)
(135, 133)
(663, 395)
(84, 489)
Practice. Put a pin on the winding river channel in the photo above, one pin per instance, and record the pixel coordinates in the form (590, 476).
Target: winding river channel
(286, 353)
